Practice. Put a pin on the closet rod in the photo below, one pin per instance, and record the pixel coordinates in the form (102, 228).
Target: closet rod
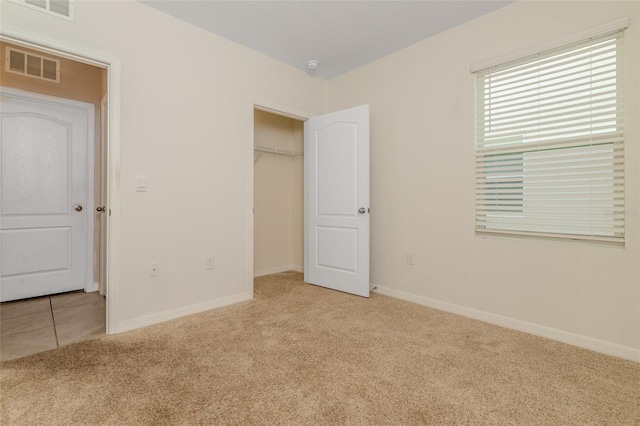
(277, 151)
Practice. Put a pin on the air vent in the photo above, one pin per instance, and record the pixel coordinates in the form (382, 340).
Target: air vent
(32, 65)
(61, 8)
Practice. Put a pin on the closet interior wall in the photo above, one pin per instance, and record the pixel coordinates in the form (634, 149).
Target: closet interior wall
(278, 195)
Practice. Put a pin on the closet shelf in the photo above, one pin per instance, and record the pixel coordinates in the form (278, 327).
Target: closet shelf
(277, 151)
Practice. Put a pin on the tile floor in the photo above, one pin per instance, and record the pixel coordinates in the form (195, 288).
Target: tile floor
(35, 325)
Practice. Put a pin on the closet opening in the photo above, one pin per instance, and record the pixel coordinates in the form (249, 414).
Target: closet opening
(278, 193)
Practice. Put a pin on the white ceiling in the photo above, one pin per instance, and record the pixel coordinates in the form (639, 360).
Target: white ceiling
(341, 35)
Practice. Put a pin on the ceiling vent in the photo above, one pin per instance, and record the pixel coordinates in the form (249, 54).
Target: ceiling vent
(61, 8)
(32, 65)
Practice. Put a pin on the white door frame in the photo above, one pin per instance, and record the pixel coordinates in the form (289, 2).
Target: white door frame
(113, 67)
(277, 109)
(89, 285)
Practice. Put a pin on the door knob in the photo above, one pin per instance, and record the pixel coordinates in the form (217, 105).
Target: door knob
(362, 210)
(78, 208)
(100, 209)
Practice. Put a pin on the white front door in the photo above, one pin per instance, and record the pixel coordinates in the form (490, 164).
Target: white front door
(46, 215)
(337, 200)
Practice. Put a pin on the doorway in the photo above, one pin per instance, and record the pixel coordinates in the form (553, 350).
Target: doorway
(82, 83)
(334, 188)
(278, 195)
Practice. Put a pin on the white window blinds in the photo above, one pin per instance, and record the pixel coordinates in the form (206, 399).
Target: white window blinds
(549, 143)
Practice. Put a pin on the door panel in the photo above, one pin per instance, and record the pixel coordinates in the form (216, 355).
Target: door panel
(337, 185)
(35, 159)
(336, 188)
(43, 176)
(337, 248)
(36, 250)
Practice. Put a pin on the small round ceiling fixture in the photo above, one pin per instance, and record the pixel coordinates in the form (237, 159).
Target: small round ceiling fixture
(312, 64)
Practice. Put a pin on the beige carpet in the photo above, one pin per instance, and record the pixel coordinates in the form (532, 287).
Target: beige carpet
(300, 354)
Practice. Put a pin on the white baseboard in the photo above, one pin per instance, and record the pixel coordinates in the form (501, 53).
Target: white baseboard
(581, 341)
(181, 312)
(277, 270)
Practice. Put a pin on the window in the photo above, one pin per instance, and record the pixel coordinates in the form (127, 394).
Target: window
(549, 143)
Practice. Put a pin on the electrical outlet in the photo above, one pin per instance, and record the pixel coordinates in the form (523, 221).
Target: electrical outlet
(154, 269)
(210, 262)
(411, 259)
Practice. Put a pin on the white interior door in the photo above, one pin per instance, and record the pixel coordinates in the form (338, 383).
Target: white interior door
(45, 211)
(103, 214)
(337, 200)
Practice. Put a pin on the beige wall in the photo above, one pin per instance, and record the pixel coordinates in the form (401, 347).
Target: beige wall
(422, 185)
(297, 197)
(78, 81)
(186, 120)
(278, 192)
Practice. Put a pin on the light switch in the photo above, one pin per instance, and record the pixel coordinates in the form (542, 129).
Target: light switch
(141, 183)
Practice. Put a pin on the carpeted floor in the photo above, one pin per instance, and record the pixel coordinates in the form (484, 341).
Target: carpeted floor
(300, 354)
